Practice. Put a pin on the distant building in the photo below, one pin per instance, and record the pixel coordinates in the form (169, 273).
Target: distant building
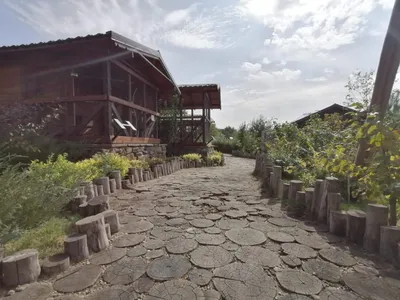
(333, 109)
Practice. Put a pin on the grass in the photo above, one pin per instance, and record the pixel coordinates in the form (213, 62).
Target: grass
(353, 206)
(48, 238)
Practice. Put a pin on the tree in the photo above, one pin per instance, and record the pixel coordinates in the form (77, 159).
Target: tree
(228, 132)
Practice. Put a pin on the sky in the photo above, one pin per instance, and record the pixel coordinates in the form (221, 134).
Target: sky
(277, 58)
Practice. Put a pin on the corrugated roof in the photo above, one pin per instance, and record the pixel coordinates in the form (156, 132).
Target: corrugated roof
(119, 39)
(201, 85)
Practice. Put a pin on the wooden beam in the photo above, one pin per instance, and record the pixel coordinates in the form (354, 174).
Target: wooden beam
(204, 118)
(132, 105)
(65, 99)
(158, 70)
(114, 109)
(107, 118)
(133, 73)
(84, 123)
(129, 87)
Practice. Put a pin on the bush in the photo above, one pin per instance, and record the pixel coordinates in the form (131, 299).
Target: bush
(107, 162)
(154, 161)
(192, 157)
(30, 198)
(139, 164)
(215, 157)
(226, 145)
(48, 238)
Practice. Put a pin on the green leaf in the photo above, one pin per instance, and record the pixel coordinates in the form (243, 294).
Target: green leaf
(372, 129)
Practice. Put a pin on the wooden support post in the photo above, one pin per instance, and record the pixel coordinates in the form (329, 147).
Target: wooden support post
(355, 228)
(331, 185)
(377, 216)
(204, 119)
(107, 119)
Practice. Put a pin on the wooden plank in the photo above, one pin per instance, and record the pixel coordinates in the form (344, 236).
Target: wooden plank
(129, 87)
(158, 70)
(133, 73)
(132, 105)
(114, 109)
(84, 123)
(135, 140)
(65, 99)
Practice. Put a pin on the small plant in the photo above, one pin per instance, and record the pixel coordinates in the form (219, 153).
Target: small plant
(215, 157)
(108, 162)
(139, 164)
(192, 157)
(154, 161)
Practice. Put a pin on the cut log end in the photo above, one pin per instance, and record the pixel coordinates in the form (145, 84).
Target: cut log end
(56, 264)
(76, 247)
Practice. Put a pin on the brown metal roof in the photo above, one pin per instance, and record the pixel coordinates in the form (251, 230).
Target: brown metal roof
(120, 41)
(192, 95)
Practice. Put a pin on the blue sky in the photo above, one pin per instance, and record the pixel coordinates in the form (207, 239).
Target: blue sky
(278, 58)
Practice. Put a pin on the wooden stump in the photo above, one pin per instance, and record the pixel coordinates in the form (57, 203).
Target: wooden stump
(333, 203)
(316, 199)
(330, 185)
(20, 268)
(83, 210)
(89, 190)
(111, 217)
(97, 205)
(94, 228)
(355, 228)
(117, 176)
(100, 190)
(155, 172)
(295, 186)
(76, 247)
(96, 191)
(309, 202)
(145, 176)
(338, 222)
(76, 202)
(56, 264)
(390, 238)
(139, 173)
(105, 182)
(277, 174)
(377, 216)
(113, 185)
(126, 184)
(300, 203)
(285, 195)
(280, 190)
(108, 231)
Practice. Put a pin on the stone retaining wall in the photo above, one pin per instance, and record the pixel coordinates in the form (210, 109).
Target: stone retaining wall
(320, 204)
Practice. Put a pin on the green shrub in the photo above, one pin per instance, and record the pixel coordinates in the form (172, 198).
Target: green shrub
(192, 157)
(139, 164)
(30, 197)
(107, 162)
(215, 157)
(48, 238)
(226, 145)
(154, 161)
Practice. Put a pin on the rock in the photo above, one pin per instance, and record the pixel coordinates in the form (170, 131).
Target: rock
(168, 268)
(210, 257)
(299, 282)
(238, 281)
(125, 271)
(245, 236)
(78, 279)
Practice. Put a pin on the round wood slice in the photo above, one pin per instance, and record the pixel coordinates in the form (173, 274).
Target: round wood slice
(280, 237)
(78, 279)
(246, 236)
(323, 270)
(337, 257)
(210, 257)
(299, 251)
(167, 268)
(125, 271)
(170, 289)
(299, 282)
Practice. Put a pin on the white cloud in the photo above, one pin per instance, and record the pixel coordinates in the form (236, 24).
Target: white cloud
(144, 21)
(251, 68)
(329, 71)
(266, 61)
(317, 79)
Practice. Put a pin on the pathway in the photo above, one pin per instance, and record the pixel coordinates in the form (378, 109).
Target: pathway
(207, 234)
